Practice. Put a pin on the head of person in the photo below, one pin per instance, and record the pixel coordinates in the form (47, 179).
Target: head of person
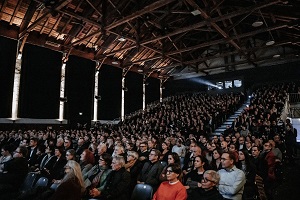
(71, 154)
(173, 158)
(101, 148)
(197, 151)
(80, 141)
(154, 155)
(210, 180)
(173, 172)
(217, 153)
(59, 142)
(224, 145)
(228, 160)
(267, 146)
(20, 152)
(58, 151)
(87, 157)
(73, 170)
(132, 156)
(119, 150)
(232, 147)
(200, 162)
(143, 146)
(5, 150)
(33, 142)
(150, 144)
(255, 151)
(117, 163)
(243, 155)
(164, 146)
(105, 160)
(241, 140)
(67, 143)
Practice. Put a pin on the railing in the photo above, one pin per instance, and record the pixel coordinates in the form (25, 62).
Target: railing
(294, 98)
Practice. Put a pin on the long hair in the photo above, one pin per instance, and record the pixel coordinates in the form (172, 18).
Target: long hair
(75, 172)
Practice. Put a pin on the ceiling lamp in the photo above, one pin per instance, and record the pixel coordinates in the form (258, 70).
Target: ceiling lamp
(114, 62)
(257, 23)
(122, 39)
(140, 70)
(196, 12)
(270, 42)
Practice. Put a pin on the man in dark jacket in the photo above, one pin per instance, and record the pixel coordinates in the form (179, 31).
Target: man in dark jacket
(151, 170)
(14, 171)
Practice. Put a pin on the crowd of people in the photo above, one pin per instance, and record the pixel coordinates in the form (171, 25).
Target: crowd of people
(170, 147)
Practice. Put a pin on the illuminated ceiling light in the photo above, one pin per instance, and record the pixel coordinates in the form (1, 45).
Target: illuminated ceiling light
(140, 70)
(257, 23)
(196, 12)
(114, 62)
(122, 39)
(270, 42)
(276, 56)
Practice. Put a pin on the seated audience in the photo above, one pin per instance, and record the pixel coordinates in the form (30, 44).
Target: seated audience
(87, 161)
(172, 158)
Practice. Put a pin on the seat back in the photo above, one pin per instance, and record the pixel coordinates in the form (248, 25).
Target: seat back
(142, 192)
(28, 182)
(42, 182)
(54, 186)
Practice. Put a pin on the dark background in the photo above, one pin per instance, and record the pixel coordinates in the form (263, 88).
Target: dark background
(40, 84)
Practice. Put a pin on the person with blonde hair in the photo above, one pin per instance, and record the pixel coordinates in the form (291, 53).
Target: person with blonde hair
(71, 186)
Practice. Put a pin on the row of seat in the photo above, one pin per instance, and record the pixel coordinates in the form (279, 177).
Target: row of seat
(140, 192)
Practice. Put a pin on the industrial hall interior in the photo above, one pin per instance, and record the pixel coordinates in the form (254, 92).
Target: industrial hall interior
(149, 99)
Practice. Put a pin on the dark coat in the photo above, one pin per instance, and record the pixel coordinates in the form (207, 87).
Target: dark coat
(17, 169)
(117, 185)
(32, 160)
(150, 174)
(68, 190)
(212, 194)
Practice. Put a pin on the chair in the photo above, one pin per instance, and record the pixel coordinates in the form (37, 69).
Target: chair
(42, 182)
(54, 186)
(28, 182)
(142, 192)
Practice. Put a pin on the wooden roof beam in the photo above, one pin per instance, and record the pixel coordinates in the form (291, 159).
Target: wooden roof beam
(200, 24)
(143, 11)
(43, 17)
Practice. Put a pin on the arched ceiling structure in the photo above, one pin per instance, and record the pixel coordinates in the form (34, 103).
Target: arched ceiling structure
(161, 38)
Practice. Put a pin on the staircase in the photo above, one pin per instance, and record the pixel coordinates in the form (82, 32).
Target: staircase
(229, 121)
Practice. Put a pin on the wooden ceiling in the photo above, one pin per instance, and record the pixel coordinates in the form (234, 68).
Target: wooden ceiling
(160, 38)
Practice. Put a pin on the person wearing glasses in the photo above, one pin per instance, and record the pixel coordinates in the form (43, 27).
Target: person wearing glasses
(96, 178)
(14, 171)
(232, 179)
(151, 170)
(143, 152)
(71, 186)
(117, 182)
(172, 189)
(6, 156)
(209, 190)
